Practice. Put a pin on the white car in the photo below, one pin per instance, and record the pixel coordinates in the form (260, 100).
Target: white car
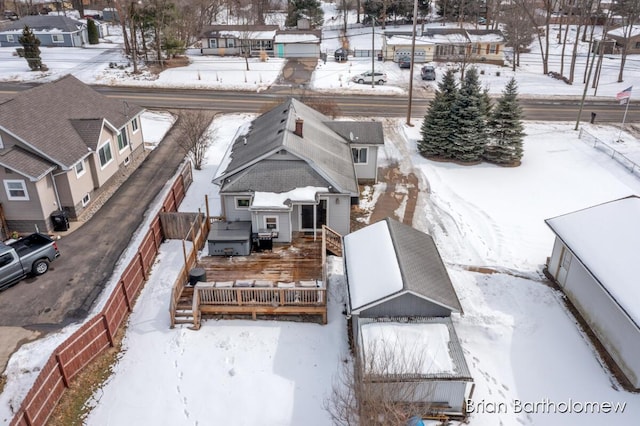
(378, 77)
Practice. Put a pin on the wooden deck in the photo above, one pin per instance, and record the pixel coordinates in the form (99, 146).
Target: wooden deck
(290, 279)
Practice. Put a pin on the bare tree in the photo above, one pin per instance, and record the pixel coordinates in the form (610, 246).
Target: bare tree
(529, 7)
(197, 135)
(383, 386)
(518, 31)
(630, 12)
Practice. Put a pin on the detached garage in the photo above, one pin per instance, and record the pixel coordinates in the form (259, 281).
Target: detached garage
(297, 44)
(596, 262)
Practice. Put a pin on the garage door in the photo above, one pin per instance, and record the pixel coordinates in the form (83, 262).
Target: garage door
(302, 50)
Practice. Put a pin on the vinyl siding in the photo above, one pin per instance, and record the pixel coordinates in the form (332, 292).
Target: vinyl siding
(406, 305)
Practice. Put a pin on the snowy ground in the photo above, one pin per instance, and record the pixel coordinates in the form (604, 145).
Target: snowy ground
(521, 343)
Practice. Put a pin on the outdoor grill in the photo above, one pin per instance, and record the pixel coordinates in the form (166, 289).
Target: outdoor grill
(263, 239)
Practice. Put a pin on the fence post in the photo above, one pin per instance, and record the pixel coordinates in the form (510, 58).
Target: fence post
(126, 296)
(106, 328)
(65, 379)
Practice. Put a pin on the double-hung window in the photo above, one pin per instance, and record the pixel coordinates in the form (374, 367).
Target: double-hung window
(105, 154)
(123, 141)
(16, 190)
(359, 155)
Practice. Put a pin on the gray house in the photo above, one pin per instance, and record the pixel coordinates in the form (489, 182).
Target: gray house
(51, 30)
(395, 277)
(230, 40)
(595, 260)
(297, 43)
(60, 144)
(291, 172)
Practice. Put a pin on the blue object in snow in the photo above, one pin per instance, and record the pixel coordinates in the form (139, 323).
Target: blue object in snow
(415, 421)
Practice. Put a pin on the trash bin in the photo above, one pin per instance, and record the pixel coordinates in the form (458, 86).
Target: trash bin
(197, 275)
(379, 56)
(60, 220)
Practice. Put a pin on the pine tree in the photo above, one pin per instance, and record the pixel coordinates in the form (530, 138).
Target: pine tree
(437, 125)
(30, 43)
(469, 137)
(92, 32)
(506, 131)
(311, 9)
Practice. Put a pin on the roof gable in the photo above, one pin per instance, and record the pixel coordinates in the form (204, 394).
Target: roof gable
(605, 240)
(48, 23)
(359, 132)
(25, 163)
(387, 259)
(58, 120)
(326, 152)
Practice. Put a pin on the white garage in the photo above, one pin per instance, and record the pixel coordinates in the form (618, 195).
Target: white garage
(297, 44)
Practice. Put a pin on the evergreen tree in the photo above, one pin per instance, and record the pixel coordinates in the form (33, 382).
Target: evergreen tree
(505, 128)
(92, 31)
(310, 9)
(469, 137)
(30, 43)
(437, 125)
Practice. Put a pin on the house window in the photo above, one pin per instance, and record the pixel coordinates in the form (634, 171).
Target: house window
(213, 43)
(57, 38)
(637, 46)
(105, 155)
(231, 42)
(243, 203)
(360, 155)
(123, 141)
(16, 190)
(10, 38)
(271, 223)
(79, 168)
(493, 48)
(85, 200)
(134, 124)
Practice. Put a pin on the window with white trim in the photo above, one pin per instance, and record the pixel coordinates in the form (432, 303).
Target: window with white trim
(79, 167)
(86, 199)
(10, 38)
(493, 48)
(243, 202)
(134, 124)
(213, 43)
(16, 190)
(57, 38)
(360, 155)
(231, 42)
(1, 142)
(271, 223)
(105, 154)
(123, 140)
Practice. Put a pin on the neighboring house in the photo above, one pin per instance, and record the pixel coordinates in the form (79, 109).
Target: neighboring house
(237, 39)
(446, 44)
(595, 262)
(60, 143)
(297, 43)
(396, 281)
(51, 30)
(626, 36)
(292, 172)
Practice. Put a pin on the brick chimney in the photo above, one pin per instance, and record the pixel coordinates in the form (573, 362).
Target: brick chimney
(299, 123)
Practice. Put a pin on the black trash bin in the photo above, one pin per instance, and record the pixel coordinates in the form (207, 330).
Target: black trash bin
(60, 220)
(197, 275)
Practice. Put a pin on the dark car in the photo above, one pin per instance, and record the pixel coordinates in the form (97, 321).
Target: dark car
(428, 72)
(9, 14)
(341, 54)
(404, 62)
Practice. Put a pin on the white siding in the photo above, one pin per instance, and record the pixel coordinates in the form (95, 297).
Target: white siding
(338, 213)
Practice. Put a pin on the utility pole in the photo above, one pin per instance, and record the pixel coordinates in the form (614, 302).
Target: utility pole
(373, 52)
(586, 87)
(411, 63)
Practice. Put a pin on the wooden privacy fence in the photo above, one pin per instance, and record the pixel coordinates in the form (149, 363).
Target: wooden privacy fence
(96, 335)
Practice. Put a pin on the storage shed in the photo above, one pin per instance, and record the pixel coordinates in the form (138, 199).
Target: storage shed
(596, 262)
(229, 239)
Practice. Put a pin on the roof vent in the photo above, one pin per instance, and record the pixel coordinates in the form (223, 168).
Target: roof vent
(299, 123)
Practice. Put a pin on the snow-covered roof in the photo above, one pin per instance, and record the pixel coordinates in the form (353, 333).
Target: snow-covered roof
(297, 38)
(620, 31)
(250, 35)
(262, 200)
(606, 240)
(371, 246)
(417, 347)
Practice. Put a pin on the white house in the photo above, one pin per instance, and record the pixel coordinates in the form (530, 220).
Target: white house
(596, 262)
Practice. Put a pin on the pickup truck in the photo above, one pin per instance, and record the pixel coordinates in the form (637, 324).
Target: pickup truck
(29, 255)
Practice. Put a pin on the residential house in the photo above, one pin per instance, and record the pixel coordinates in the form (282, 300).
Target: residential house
(297, 43)
(60, 144)
(626, 36)
(446, 44)
(51, 30)
(400, 296)
(290, 171)
(233, 40)
(595, 262)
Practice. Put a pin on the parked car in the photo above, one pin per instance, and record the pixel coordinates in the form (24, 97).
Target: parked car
(341, 54)
(9, 14)
(378, 77)
(428, 72)
(29, 255)
(404, 62)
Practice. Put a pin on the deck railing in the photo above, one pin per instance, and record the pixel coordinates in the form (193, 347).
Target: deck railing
(331, 241)
(274, 297)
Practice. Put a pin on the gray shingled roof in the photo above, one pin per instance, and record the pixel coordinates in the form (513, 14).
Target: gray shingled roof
(324, 150)
(214, 30)
(45, 23)
(275, 176)
(50, 119)
(360, 132)
(25, 163)
(421, 266)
